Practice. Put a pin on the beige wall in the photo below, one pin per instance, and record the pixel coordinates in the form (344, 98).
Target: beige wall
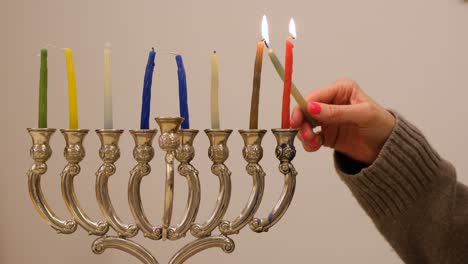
(410, 55)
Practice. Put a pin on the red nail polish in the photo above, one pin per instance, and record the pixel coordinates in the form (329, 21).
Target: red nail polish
(314, 108)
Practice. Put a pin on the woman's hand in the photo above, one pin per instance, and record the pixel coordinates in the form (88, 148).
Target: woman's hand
(352, 123)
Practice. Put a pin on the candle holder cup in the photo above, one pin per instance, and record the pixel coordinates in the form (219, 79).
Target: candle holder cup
(178, 146)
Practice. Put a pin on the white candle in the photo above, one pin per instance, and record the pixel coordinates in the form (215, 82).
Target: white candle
(108, 124)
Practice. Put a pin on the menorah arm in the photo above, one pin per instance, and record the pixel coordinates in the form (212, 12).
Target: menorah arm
(41, 205)
(40, 153)
(222, 203)
(193, 202)
(258, 177)
(73, 205)
(136, 206)
(105, 203)
(197, 246)
(285, 152)
(264, 224)
(101, 244)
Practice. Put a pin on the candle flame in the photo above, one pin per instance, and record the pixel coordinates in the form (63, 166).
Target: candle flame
(292, 28)
(265, 33)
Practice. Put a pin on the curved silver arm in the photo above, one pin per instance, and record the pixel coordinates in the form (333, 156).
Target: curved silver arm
(143, 154)
(40, 153)
(253, 153)
(101, 244)
(218, 154)
(184, 154)
(74, 153)
(285, 152)
(197, 246)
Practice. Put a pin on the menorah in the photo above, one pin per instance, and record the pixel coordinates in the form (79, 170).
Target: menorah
(177, 145)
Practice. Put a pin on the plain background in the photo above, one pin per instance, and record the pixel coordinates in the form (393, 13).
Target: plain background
(411, 56)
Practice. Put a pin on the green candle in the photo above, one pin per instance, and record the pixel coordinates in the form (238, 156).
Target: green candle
(43, 90)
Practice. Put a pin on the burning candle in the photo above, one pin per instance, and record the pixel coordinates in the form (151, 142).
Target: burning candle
(146, 100)
(72, 100)
(288, 63)
(183, 104)
(294, 91)
(256, 82)
(108, 122)
(42, 123)
(214, 91)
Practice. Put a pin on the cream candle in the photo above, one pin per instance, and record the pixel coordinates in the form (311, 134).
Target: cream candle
(108, 120)
(214, 91)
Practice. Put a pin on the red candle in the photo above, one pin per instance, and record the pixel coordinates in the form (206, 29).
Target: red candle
(288, 68)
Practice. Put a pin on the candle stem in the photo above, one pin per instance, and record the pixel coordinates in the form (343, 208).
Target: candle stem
(214, 92)
(294, 91)
(254, 106)
(42, 123)
(72, 98)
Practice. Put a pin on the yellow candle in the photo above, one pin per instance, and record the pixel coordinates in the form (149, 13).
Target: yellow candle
(214, 92)
(72, 101)
(108, 124)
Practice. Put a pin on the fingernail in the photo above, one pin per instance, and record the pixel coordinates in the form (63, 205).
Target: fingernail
(314, 108)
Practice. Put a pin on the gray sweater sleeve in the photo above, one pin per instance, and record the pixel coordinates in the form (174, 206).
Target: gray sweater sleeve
(413, 197)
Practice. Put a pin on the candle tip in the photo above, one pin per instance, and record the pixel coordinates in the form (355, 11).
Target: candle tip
(214, 51)
(152, 48)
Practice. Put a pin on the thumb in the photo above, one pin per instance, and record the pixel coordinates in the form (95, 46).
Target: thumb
(333, 114)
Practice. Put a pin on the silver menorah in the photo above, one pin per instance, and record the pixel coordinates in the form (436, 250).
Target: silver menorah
(177, 145)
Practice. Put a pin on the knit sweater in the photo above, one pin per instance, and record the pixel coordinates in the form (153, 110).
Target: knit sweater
(413, 197)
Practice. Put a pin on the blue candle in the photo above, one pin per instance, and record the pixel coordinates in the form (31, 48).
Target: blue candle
(183, 105)
(146, 101)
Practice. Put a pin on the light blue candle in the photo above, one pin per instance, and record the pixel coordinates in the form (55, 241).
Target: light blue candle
(183, 105)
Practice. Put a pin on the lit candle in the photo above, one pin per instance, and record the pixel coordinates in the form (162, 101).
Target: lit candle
(288, 63)
(72, 100)
(146, 100)
(256, 82)
(42, 123)
(294, 91)
(214, 92)
(108, 124)
(183, 104)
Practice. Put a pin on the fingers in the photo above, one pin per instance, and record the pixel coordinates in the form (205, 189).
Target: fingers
(358, 114)
(310, 141)
(297, 117)
(340, 90)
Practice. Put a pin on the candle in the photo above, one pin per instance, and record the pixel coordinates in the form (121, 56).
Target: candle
(294, 91)
(108, 122)
(214, 92)
(42, 123)
(146, 100)
(256, 82)
(183, 105)
(72, 100)
(288, 63)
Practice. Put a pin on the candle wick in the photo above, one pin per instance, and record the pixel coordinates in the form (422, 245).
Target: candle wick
(152, 48)
(266, 43)
(214, 51)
